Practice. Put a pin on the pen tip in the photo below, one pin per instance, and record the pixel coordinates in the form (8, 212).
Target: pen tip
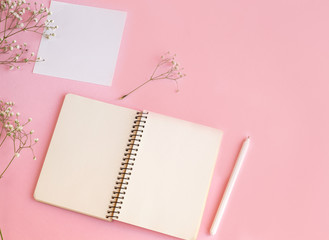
(212, 232)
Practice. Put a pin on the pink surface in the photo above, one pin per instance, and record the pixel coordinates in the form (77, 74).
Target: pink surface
(257, 68)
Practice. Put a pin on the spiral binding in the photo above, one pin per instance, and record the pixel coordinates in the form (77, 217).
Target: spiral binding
(126, 166)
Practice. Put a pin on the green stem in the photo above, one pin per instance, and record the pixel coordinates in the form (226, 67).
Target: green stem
(1, 234)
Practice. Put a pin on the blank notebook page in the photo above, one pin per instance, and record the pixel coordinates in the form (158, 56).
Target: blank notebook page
(171, 177)
(84, 156)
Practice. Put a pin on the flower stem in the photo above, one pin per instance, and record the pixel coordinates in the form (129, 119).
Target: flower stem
(126, 95)
(3, 140)
(12, 159)
(1, 234)
(167, 68)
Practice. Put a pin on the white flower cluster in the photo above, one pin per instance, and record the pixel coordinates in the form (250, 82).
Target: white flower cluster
(168, 68)
(171, 69)
(17, 17)
(175, 71)
(12, 128)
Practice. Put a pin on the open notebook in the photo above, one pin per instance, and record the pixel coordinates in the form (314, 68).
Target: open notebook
(136, 167)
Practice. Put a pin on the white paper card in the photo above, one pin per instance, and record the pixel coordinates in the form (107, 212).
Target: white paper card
(86, 44)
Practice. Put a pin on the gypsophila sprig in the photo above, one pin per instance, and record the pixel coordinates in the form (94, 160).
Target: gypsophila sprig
(17, 17)
(167, 68)
(14, 130)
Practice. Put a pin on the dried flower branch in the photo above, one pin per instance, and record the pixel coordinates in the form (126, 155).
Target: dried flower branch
(11, 129)
(17, 17)
(171, 70)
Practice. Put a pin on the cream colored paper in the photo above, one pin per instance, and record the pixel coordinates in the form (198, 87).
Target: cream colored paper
(84, 157)
(170, 179)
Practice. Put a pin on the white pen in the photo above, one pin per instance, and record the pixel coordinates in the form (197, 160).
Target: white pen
(229, 186)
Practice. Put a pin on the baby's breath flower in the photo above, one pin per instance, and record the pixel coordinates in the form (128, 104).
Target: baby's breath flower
(170, 70)
(13, 130)
(17, 17)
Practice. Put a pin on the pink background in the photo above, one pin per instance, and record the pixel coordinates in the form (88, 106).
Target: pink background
(257, 68)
